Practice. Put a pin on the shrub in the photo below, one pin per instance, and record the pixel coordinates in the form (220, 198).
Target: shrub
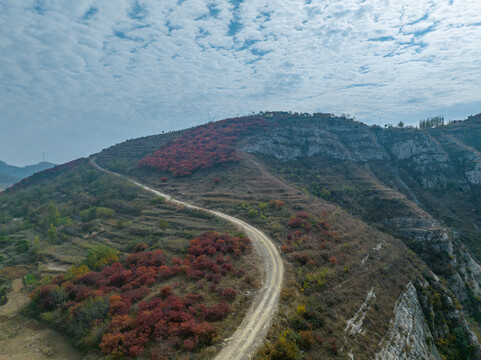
(229, 294)
(276, 203)
(165, 291)
(105, 307)
(74, 271)
(101, 255)
(202, 147)
(22, 246)
(157, 200)
(87, 214)
(30, 279)
(104, 213)
(163, 224)
(93, 308)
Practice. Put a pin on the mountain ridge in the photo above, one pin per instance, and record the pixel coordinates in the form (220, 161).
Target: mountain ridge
(379, 228)
(10, 174)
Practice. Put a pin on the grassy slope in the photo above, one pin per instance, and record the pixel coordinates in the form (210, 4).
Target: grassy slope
(372, 194)
(243, 190)
(68, 201)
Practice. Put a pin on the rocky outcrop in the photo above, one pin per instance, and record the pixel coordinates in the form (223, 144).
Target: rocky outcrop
(354, 325)
(428, 156)
(335, 139)
(439, 170)
(409, 336)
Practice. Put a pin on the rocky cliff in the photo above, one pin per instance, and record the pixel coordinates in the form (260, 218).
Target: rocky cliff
(420, 185)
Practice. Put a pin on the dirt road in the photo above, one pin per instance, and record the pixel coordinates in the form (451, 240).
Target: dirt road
(251, 333)
(25, 338)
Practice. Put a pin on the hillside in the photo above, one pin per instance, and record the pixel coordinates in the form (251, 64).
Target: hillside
(378, 230)
(397, 193)
(115, 268)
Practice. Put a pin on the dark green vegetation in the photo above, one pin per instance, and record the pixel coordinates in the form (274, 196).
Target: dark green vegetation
(94, 226)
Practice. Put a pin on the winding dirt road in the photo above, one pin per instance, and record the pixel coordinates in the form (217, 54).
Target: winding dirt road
(252, 331)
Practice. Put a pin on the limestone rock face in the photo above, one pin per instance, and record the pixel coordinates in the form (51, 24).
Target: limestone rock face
(335, 140)
(409, 337)
(432, 161)
(429, 181)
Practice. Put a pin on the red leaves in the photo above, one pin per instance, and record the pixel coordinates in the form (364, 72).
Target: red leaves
(333, 260)
(119, 305)
(179, 322)
(276, 203)
(202, 147)
(165, 291)
(216, 312)
(300, 221)
(212, 243)
(113, 344)
(156, 258)
(296, 222)
(229, 294)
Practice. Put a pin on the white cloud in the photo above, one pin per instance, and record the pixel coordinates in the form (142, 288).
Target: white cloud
(130, 68)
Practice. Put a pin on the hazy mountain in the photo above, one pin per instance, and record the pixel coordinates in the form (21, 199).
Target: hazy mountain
(10, 174)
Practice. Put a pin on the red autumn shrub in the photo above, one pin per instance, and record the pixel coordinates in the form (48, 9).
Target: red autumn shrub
(296, 222)
(140, 247)
(165, 291)
(189, 344)
(121, 322)
(153, 258)
(113, 344)
(333, 260)
(229, 294)
(107, 297)
(119, 305)
(202, 147)
(216, 312)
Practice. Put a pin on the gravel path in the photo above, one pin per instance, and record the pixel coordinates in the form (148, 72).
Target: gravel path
(250, 335)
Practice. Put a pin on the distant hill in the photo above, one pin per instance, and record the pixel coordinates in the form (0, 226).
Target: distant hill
(10, 174)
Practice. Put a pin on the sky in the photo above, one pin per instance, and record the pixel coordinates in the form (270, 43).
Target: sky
(79, 76)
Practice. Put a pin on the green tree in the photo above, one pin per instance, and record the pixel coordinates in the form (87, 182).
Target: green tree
(101, 255)
(163, 224)
(53, 214)
(52, 233)
(104, 212)
(22, 246)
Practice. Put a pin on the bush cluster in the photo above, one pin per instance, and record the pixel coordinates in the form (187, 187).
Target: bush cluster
(108, 309)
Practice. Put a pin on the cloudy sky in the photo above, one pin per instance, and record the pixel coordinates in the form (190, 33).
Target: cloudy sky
(77, 76)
